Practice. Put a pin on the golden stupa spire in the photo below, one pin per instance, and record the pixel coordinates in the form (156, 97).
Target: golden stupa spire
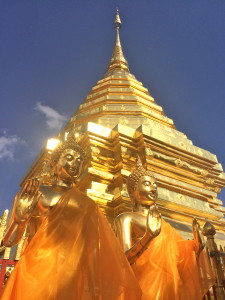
(118, 61)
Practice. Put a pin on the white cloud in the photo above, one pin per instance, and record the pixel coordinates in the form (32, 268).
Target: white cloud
(54, 120)
(8, 145)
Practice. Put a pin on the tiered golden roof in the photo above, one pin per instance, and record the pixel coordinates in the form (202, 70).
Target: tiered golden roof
(119, 97)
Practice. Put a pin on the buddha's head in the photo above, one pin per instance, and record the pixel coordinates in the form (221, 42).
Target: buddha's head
(142, 186)
(67, 160)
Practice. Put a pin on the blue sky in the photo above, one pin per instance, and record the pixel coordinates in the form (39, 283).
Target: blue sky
(53, 52)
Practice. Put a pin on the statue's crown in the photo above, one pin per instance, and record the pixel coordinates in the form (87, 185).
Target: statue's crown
(70, 143)
(133, 178)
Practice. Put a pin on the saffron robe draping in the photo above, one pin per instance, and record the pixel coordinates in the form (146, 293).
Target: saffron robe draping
(73, 255)
(169, 270)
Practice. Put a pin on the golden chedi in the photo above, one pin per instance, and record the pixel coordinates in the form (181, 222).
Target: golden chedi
(120, 119)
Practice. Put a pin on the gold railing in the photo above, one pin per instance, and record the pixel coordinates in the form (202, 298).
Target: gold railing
(217, 260)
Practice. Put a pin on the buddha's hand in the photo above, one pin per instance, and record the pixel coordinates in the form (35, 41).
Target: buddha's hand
(27, 200)
(154, 221)
(198, 237)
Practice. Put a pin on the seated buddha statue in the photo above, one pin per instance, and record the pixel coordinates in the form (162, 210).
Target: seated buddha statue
(74, 254)
(167, 266)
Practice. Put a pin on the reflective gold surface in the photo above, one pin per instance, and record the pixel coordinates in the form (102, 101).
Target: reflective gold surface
(156, 251)
(41, 193)
(136, 229)
(120, 119)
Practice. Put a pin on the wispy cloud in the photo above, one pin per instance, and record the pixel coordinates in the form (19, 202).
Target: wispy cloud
(54, 120)
(8, 145)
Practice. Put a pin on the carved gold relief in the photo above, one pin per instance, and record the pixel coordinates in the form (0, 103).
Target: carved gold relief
(148, 151)
(210, 181)
(95, 151)
(217, 190)
(178, 162)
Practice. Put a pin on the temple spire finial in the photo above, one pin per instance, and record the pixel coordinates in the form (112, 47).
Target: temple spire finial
(117, 22)
(118, 61)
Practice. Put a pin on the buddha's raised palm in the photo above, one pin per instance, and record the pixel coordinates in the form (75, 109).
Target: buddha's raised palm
(154, 221)
(27, 200)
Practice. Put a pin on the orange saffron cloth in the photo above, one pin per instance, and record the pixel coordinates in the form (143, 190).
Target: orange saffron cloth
(169, 270)
(73, 255)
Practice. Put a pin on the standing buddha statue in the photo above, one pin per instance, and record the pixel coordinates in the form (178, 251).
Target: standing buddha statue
(167, 266)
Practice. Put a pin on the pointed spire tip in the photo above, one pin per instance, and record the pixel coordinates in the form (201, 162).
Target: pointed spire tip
(117, 61)
(117, 22)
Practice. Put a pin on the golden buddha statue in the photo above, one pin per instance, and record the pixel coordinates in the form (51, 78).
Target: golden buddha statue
(74, 254)
(166, 265)
(40, 194)
(136, 229)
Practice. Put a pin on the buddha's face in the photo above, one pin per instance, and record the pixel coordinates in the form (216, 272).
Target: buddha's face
(146, 191)
(69, 164)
